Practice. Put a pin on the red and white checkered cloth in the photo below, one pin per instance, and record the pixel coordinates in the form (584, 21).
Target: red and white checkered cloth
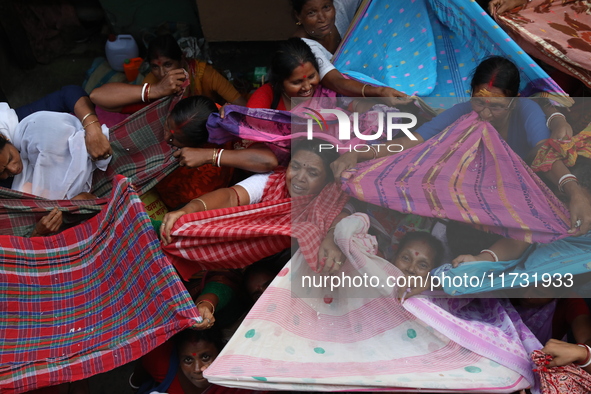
(238, 236)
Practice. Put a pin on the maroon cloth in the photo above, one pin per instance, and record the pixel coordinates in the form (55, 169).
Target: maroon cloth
(560, 380)
(557, 32)
(156, 363)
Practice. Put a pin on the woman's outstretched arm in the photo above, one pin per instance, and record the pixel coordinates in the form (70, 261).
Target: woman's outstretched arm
(221, 198)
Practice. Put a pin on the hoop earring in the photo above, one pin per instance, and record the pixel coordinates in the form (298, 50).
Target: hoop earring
(298, 23)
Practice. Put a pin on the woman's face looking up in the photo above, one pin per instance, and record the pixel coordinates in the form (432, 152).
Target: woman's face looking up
(415, 259)
(195, 357)
(162, 65)
(306, 174)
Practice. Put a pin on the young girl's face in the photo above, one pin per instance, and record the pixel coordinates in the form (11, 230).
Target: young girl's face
(417, 258)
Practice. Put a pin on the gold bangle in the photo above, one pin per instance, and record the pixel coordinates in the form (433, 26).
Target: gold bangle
(363, 90)
(88, 124)
(210, 303)
(215, 153)
(202, 202)
(86, 116)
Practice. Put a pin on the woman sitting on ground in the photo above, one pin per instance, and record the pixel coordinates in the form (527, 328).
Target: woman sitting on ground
(295, 74)
(169, 70)
(205, 167)
(307, 174)
(521, 123)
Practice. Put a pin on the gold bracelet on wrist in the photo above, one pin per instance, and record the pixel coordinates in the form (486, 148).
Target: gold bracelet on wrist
(88, 124)
(202, 202)
(209, 302)
(86, 116)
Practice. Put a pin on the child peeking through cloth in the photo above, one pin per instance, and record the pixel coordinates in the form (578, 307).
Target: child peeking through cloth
(418, 253)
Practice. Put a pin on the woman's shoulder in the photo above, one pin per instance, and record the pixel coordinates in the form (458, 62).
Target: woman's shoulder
(198, 68)
(45, 119)
(190, 62)
(318, 49)
(529, 110)
(262, 97)
(265, 88)
(443, 120)
(528, 104)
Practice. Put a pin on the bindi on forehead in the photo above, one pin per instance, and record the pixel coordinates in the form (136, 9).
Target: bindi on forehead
(301, 65)
(310, 165)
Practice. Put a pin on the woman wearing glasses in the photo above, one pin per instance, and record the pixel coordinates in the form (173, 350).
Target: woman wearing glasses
(521, 123)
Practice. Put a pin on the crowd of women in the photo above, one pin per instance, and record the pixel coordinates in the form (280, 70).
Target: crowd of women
(48, 152)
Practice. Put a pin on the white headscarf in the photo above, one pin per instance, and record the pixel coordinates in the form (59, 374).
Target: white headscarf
(8, 121)
(56, 164)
